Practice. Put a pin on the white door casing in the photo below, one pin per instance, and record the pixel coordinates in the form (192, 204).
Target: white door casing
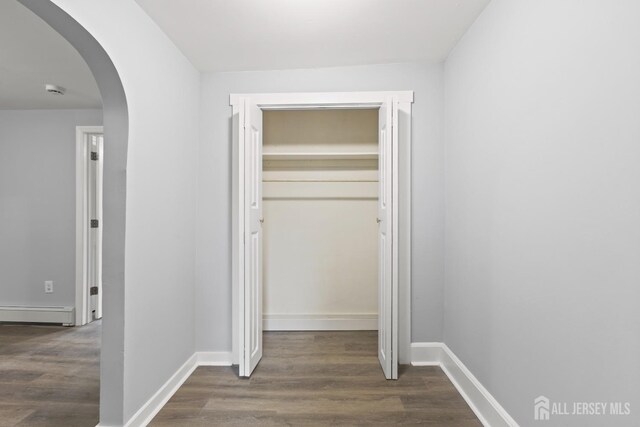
(95, 166)
(253, 238)
(88, 206)
(396, 285)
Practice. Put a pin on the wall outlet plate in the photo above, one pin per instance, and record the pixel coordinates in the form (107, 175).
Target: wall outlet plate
(48, 286)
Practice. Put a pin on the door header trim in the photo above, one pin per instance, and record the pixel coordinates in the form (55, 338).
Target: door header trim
(321, 99)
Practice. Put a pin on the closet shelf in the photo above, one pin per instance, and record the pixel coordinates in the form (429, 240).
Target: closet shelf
(320, 156)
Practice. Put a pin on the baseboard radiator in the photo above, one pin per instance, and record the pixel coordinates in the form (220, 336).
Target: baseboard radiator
(59, 315)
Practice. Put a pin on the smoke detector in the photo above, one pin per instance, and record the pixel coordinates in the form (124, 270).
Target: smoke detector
(54, 89)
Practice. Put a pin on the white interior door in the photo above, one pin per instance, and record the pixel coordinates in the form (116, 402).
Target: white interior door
(94, 210)
(387, 354)
(252, 239)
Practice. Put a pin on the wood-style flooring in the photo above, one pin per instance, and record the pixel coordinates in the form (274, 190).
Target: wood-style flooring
(317, 378)
(49, 375)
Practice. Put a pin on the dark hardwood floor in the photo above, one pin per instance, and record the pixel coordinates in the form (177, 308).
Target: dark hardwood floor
(317, 378)
(49, 375)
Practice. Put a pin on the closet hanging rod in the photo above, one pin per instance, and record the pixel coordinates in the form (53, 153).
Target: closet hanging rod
(319, 180)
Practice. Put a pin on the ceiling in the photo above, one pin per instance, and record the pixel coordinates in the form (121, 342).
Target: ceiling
(225, 35)
(33, 54)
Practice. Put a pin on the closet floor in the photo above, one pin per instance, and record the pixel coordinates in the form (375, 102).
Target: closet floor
(317, 378)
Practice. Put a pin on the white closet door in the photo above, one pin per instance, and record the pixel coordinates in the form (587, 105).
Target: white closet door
(253, 239)
(387, 354)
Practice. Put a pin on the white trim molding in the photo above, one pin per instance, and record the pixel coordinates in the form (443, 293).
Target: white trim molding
(426, 353)
(320, 99)
(214, 358)
(82, 315)
(151, 408)
(482, 403)
(320, 322)
(402, 106)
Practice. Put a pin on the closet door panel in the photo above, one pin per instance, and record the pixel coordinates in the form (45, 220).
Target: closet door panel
(385, 242)
(253, 239)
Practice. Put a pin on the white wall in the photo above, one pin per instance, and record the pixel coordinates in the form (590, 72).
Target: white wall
(37, 204)
(213, 268)
(153, 330)
(543, 204)
(320, 255)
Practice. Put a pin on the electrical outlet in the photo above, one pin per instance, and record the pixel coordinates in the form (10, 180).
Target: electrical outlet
(48, 287)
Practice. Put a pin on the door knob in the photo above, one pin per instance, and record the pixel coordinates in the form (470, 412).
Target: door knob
(261, 220)
(378, 220)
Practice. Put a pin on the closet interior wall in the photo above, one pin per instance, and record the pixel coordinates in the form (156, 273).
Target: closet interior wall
(320, 190)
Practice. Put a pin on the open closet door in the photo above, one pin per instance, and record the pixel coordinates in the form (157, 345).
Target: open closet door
(387, 338)
(252, 345)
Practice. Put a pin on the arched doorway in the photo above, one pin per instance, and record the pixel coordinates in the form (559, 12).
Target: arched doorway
(116, 128)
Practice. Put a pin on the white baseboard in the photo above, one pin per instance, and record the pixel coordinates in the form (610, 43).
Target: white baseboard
(214, 358)
(151, 408)
(426, 353)
(482, 403)
(320, 322)
(14, 313)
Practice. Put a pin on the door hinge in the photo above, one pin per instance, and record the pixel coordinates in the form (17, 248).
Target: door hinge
(94, 155)
(95, 223)
(93, 290)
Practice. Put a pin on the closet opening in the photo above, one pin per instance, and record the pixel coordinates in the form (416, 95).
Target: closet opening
(321, 220)
(320, 203)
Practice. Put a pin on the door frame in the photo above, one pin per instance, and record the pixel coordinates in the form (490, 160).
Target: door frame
(83, 315)
(402, 103)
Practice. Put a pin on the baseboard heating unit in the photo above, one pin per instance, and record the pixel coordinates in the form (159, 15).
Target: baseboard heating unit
(59, 315)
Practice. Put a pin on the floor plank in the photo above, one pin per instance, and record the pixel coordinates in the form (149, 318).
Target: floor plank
(317, 378)
(49, 375)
